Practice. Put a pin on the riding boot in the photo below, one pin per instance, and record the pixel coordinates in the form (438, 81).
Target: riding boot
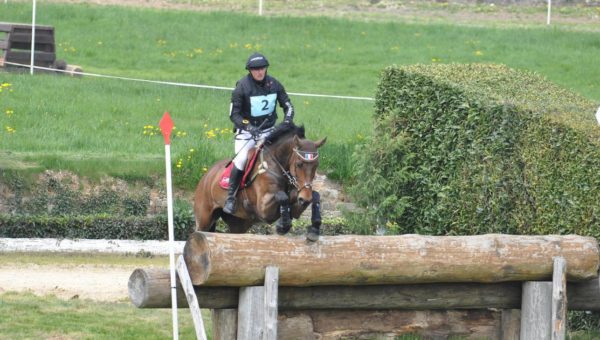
(234, 182)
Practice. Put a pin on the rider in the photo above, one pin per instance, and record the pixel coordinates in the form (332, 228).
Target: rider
(253, 114)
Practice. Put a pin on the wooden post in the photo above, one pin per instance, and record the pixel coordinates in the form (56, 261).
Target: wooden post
(536, 310)
(188, 288)
(224, 324)
(559, 299)
(271, 297)
(251, 314)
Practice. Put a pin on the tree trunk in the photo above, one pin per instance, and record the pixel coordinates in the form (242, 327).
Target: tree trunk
(149, 288)
(240, 259)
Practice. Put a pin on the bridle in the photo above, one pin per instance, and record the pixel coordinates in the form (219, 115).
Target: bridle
(305, 157)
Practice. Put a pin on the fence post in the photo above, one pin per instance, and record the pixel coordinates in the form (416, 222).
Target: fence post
(536, 310)
(271, 297)
(559, 299)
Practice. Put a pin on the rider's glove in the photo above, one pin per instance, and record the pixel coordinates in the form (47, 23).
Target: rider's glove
(288, 120)
(253, 130)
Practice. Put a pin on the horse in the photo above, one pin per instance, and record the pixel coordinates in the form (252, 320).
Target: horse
(280, 189)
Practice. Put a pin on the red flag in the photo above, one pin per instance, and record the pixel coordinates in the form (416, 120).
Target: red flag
(166, 126)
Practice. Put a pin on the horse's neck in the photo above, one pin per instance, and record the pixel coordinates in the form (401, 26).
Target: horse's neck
(281, 153)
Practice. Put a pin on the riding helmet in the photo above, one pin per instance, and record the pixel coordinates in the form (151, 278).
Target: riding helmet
(256, 60)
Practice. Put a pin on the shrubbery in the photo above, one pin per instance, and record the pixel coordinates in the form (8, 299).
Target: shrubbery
(472, 149)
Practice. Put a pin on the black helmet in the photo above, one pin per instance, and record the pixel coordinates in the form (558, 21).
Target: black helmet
(256, 60)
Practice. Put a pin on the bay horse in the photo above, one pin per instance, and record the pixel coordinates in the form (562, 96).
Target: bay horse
(280, 189)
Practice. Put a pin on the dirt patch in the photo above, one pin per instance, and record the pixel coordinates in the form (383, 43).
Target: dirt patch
(94, 282)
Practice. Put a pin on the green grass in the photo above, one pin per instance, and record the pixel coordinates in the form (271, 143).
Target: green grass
(96, 126)
(26, 316)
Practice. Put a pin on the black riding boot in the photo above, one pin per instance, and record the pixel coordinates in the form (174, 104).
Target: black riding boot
(234, 182)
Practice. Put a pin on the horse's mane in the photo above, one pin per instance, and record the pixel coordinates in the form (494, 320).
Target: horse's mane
(285, 130)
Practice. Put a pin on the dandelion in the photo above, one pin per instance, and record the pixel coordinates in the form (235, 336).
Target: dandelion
(9, 112)
(248, 46)
(205, 126)
(233, 45)
(478, 53)
(435, 60)
(210, 134)
(179, 163)
(192, 150)
(99, 43)
(204, 169)
(5, 85)
(9, 129)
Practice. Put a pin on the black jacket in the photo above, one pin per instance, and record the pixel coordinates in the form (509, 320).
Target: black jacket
(254, 102)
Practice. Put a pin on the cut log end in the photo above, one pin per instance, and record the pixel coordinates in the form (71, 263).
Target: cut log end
(196, 254)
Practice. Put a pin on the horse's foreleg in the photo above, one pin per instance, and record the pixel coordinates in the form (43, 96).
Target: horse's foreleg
(284, 224)
(315, 218)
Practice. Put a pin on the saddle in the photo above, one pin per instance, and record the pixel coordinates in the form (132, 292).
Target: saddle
(246, 178)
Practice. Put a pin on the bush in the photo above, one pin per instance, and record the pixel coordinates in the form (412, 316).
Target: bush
(472, 149)
(95, 227)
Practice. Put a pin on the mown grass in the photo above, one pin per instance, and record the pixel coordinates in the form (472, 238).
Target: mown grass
(27, 316)
(96, 126)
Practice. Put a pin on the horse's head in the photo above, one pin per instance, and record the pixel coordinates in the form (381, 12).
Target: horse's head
(303, 165)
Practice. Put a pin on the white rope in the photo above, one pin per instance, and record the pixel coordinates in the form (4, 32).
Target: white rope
(178, 84)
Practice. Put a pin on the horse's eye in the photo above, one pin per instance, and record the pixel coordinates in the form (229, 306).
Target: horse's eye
(299, 164)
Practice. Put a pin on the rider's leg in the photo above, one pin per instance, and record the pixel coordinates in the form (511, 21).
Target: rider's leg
(243, 143)
(284, 224)
(315, 228)
(234, 182)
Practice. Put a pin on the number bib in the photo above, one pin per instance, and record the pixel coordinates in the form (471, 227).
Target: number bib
(262, 105)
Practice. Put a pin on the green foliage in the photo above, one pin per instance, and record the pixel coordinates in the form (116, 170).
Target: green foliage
(95, 226)
(464, 149)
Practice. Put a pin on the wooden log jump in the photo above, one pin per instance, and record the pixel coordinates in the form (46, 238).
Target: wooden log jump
(240, 259)
(150, 288)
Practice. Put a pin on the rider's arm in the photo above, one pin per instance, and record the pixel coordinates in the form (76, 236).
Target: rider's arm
(286, 105)
(237, 99)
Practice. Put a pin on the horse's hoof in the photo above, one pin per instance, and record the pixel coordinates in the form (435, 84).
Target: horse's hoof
(312, 235)
(282, 230)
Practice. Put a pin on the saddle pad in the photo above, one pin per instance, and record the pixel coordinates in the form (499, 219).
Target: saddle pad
(224, 181)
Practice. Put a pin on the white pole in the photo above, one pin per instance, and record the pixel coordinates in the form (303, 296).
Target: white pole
(166, 126)
(260, 7)
(172, 242)
(549, 12)
(32, 37)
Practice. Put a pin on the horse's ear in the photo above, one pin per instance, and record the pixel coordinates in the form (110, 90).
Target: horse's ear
(321, 142)
(296, 141)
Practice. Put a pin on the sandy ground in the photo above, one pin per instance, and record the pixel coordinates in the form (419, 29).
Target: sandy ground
(95, 282)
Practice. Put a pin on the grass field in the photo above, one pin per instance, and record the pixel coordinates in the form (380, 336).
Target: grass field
(96, 126)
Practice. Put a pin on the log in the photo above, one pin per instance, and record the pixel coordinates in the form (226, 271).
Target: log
(240, 259)
(353, 324)
(149, 288)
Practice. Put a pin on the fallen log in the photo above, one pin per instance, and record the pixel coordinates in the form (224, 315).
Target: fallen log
(240, 259)
(150, 288)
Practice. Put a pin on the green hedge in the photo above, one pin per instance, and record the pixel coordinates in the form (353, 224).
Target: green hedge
(95, 227)
(472, 149)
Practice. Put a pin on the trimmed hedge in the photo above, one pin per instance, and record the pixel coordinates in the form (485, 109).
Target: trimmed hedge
(472, 149)
(95, 227)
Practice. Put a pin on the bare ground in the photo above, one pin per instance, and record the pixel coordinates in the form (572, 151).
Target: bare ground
(94, 282)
